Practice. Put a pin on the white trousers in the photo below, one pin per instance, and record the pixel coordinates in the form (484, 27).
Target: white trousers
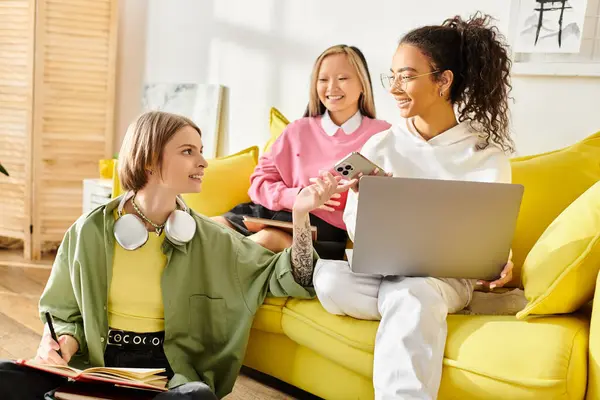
(410, 341)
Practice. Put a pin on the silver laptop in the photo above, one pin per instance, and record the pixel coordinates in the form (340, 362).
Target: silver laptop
(431, 227)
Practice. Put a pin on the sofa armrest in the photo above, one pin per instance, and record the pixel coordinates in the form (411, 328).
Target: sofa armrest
(593, 389)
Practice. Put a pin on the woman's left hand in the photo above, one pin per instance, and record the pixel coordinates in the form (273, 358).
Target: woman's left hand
(505, 276)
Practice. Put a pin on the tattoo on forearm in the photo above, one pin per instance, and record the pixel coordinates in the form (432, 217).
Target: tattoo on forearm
(302, 253)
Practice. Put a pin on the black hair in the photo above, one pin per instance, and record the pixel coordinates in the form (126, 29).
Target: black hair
(477, 55)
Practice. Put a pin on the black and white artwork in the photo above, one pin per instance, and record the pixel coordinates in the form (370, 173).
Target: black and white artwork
(547, 26)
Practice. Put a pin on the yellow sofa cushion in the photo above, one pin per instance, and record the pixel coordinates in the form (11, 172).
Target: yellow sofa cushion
(552, 181)
(344, 340)
(280, 357)
(559, 274)
(277, 124)
(226, 183)
(547, 357)
(268, 316)
(498, 357)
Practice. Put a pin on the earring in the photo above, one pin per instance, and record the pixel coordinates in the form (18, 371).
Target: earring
(441, 93)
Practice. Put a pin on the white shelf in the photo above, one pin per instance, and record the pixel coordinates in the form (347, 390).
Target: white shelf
(96, 192)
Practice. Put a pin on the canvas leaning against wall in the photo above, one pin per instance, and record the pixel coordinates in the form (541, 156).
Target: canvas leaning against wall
(201, 103)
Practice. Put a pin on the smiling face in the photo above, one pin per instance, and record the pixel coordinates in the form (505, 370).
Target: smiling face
(338, 86)
(417, 88)
(182, 163)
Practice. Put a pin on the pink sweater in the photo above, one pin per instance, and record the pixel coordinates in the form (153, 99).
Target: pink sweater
(298, 154)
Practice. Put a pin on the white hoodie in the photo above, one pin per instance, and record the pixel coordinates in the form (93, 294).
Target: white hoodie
(451, 155)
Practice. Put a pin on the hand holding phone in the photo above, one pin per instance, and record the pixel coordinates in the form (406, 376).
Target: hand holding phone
(355, 165)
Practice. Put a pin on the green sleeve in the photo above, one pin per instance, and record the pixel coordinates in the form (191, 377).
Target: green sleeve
(261, 271)
(59, 298)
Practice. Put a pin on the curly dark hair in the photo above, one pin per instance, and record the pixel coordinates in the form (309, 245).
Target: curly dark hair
(477, 55)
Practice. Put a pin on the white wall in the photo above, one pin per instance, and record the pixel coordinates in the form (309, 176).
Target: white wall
(131, 63)
(263, 50)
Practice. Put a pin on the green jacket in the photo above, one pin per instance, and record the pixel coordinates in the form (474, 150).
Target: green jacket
(211, 287)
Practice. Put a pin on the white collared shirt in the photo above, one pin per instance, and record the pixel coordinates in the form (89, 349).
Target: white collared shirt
(349, 127)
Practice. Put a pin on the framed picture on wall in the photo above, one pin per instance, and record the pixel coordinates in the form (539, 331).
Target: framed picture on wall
(202, 103)
(555, 37)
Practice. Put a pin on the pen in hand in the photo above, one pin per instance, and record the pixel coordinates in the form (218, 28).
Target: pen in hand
(51, 327)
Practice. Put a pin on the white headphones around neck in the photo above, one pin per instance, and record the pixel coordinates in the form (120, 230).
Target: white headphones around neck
(131, 233)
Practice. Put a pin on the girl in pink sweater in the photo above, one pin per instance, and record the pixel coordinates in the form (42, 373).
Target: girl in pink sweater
(339, 119)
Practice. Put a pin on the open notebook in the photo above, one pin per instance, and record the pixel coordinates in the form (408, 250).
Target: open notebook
(140, 378)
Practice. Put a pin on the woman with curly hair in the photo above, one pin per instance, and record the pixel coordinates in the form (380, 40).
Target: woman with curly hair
(451, 85)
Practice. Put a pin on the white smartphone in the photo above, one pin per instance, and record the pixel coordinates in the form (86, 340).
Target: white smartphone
(354, 163)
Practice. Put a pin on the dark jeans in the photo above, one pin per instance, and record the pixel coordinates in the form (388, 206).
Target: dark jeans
(140, 357)
(22, 383)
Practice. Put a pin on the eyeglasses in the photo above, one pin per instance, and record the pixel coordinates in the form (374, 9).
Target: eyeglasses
(389, 81)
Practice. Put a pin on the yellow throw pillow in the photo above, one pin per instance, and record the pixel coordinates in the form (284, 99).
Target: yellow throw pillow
(277, 124)
(552, 181)
(560, 271)
(226, 183)
(106, 168)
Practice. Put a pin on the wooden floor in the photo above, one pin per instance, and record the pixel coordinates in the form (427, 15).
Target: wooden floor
(21, 284)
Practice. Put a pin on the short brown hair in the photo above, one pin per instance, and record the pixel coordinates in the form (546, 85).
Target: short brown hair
(143, 146)
(366, 103)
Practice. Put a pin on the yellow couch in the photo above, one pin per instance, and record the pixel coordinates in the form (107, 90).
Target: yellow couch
(486, 357)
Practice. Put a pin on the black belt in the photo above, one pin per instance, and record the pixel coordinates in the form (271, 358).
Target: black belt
(133, 339)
